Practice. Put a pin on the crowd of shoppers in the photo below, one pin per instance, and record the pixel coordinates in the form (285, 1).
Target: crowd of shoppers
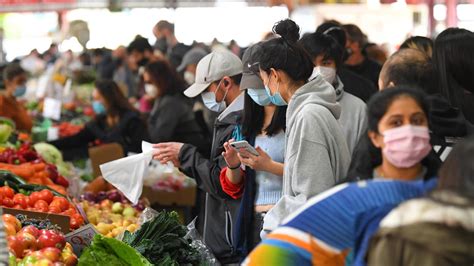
(346, 155)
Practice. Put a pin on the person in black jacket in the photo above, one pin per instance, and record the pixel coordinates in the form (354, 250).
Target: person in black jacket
(116, 121)
(171, 117)
(357, 61)
(353, 83)
(453, 58)
(218, 77)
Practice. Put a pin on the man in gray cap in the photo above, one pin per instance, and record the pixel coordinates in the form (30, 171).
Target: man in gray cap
(218, 78)
(189, 64)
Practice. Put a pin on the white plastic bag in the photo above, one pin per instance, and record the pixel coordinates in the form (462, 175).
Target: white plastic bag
(127, 174)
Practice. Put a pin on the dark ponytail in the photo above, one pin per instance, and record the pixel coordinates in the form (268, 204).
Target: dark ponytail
(284, 53)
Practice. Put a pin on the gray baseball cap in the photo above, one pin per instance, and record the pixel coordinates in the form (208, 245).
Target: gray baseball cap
(250, 61)
(193, 56)
(214, 67)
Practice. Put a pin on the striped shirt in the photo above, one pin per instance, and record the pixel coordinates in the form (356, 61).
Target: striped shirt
(334, 223)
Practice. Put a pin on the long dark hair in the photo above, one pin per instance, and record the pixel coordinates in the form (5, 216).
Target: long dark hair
(362, 167)
(284, 53)
(165, 78)
(117, 104)
(453, 57)
(253, 117)
(457, 172)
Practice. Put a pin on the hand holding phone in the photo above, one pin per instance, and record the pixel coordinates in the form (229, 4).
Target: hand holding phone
(238, 145)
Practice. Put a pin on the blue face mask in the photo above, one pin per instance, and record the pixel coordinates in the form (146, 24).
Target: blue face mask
(259, 96)
(209, 100)
(276, 98)
(98, 107)
(19, 91)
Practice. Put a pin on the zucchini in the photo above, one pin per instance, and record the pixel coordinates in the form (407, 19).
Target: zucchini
(7, 175)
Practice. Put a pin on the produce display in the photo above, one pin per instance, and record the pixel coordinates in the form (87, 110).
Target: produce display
(110, 213)
(161, 241)
(34, 179)
(110, 251)
(30, 245)
(67, 129)
(42, 201)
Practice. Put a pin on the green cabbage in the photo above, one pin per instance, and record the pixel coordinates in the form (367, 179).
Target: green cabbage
(5, 132)
(49, 153)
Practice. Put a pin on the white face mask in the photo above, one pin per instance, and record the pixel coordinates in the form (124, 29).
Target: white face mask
(327, 73)
(189, 77)
(151, 90)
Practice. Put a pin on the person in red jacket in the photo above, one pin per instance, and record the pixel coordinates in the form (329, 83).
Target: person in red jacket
(14, 78)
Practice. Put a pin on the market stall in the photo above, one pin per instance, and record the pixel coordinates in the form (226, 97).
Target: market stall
(54, 213)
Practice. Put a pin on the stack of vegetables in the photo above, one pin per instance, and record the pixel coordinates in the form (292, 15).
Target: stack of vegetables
(110, 212)
(34, 244)
(26, 163)
(161, 240)
(19, 195)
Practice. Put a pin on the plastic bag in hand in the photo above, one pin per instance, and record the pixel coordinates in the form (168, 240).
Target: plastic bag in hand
(127, 174)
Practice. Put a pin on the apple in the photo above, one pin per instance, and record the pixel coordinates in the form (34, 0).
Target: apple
(49, 238)
(29, 241)
(10, 229)
(52, 254)
(117, 207)
(69, 258)
(44, 262)
(106, 204)
(16, 246)
(28, 260)
(31, 230)
(10, 219)
(68, 247)
(129, 212)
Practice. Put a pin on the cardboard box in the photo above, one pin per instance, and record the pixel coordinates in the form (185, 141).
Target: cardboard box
(61, 220)
(184, 197)
(104, 154)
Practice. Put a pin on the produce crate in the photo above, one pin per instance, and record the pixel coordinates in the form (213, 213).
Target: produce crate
(57, 219)
(185, 197)
(104, 154)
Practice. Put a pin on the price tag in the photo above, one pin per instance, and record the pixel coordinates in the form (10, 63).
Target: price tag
(52, 108)
(81, 238)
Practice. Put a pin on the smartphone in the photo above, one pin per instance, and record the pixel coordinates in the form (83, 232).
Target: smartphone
(244, 145)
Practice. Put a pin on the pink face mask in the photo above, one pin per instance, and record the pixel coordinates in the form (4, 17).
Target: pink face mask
(407, 145)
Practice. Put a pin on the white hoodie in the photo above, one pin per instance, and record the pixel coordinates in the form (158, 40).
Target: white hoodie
(316, 156)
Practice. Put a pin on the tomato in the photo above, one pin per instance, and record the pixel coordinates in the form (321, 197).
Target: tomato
(54, 209)
(41, 206)
(20, 199)
(61, 202)
(34, 197)
(46, 195)
(8, 202)
(7, 192)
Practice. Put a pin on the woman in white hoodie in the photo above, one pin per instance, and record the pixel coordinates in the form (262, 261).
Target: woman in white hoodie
(317, 155)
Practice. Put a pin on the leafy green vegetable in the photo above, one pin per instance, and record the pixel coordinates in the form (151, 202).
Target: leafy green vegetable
(110, 251)
(161, 241)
